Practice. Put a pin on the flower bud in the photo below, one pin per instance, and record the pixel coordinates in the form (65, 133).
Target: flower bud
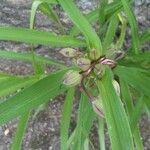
(83, 63)
(70, 52)
(72, 78)
(117, 87)
(97, 106)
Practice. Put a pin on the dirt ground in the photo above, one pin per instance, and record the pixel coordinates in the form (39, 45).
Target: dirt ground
(43, 130)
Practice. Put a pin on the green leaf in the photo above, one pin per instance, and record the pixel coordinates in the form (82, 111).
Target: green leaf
(138, 58)
(94, 15)
(145, 37)
(110, 34)
(101, 134)
(133, 25)
(85, 120)
(135, 77)
(116, 118)
(147, 102)
(65, 120)
(17, 141)
(50, 1)
(38, 37)
(10, 84)
(31, 97)
(102, 7)
(47, 10)
(29, 57)
(137, 112)
(81, 22)
(128, 102)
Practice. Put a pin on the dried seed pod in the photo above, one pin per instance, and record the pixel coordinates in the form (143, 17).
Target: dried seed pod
(83, 63)
(72, 78)
(117, 87)
(70, 52)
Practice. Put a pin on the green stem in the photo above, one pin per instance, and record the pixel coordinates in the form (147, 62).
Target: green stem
(17, 141)
(137, 139)
(123, 32)
(101, 123)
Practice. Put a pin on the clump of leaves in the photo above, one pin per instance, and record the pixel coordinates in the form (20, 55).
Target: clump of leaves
(108, 75)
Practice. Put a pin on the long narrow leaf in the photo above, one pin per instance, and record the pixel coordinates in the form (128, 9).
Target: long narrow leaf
(127, 99)
(110, 35)
(116, 119)
(65, 121)
(94, 15)
(145, 37)
(81, 22)
(133, 24)
(10, 84)
(47, 10)
(31, 97)
(38, 37)
(101, 123)
(17, 141)
(28, 57)
(85, 120)
(135, 77)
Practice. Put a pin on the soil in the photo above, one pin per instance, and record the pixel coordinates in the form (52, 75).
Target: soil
(43, 130)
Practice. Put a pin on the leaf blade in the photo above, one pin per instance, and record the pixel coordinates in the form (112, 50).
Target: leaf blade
(117, 122)
(65, 121)
(91, 37)
(38, 37)
(31, 97)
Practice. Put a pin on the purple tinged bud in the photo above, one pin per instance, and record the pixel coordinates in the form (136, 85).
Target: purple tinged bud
(83, 63)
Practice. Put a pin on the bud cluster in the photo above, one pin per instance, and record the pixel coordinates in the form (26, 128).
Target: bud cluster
(90, 69)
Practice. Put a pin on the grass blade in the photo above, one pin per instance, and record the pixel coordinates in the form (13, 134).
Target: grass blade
(110, 33)
(127, 99)
(116, 119)
(133, 25)
(29, 58)
(94, 15)
(85, 120)
(137, 112)
(31, 97)
(65, 120)
(135, 77)
(81, 22)
(38, 37)
(45, 8)
(145, 37)
(10, 84)
(101, 123)
(17, 141)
